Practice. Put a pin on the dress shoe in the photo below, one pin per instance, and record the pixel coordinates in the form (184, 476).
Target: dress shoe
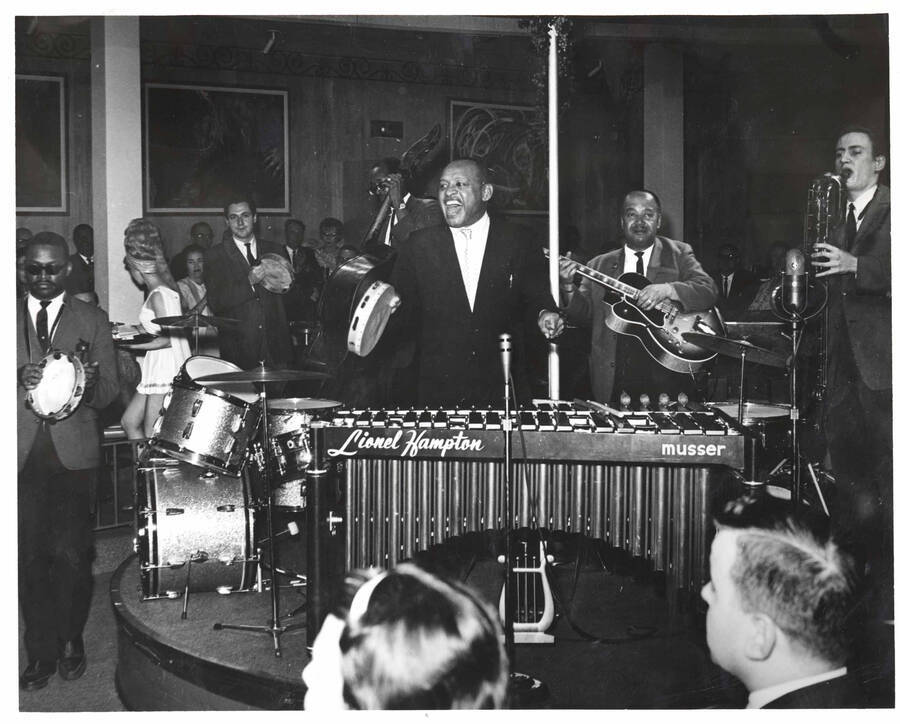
(37, 674)
(72, 661)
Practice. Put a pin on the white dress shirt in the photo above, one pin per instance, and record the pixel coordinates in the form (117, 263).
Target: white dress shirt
(758, 699)
(243, 249)
(861, 202)
(53, 310)
(631, 258)
(470, 253)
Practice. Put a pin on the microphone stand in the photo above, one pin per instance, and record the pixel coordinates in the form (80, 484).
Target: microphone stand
(524, 690)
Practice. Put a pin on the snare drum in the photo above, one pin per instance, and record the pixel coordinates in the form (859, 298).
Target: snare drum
(61, 388)
(204, 425)
(186, 513)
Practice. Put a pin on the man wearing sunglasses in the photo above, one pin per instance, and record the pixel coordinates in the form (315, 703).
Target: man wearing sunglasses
(57, 462)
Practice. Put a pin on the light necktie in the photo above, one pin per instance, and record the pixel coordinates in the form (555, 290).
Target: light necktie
(639, 268)
(251, 260)
(850, 227)
(725, 286)
(43, 332)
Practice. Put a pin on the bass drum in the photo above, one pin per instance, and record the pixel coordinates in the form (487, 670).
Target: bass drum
(188, 514)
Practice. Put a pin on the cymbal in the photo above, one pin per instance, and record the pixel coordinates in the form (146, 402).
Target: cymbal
(302, 403)
(736, 348)
(264, 374)
(191, 320)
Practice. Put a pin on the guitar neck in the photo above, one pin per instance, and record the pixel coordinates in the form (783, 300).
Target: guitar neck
(626, 290)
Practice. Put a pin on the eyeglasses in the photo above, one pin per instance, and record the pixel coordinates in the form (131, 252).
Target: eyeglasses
(34, 269)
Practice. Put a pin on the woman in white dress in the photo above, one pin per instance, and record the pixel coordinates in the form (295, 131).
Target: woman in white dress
(166, 354)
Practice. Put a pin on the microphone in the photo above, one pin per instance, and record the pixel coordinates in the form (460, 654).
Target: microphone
(506, 356)
(793, 290)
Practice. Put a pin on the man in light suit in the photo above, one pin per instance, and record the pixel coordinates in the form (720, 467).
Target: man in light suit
(781, 597)
(619, 363)
(464, 283)
(57, 463)
(234, 289)
(857, 264)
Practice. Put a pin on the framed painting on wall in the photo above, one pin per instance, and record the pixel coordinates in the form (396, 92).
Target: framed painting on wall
(502, 137)
(41, 169)
(205, 144)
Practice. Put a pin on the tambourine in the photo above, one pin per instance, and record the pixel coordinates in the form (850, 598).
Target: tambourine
(278, 274)
(371, 317)
(61, 388)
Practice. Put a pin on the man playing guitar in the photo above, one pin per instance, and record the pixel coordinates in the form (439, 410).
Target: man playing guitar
(621, 363)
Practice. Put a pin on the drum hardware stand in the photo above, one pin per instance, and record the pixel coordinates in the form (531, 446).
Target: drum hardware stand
(274, 628)
(320, 522)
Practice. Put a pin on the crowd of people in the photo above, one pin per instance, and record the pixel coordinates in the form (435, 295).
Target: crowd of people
(783, 584)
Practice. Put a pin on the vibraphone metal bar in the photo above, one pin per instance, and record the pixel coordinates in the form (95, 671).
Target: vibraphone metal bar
(411, 479)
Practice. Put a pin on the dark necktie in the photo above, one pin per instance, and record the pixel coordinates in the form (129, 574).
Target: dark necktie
(43, 332)
(639, 268)
(850, 228)
(251, 260)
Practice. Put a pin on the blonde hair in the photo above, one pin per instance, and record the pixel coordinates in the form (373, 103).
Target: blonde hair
(144, 251)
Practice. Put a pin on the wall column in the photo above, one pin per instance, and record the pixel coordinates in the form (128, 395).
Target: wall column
(116, 162)
(664, 133)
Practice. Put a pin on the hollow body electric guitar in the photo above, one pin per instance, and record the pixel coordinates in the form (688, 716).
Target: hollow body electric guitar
(659, 329)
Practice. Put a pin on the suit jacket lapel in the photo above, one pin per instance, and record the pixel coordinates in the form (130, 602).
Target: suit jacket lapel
(236, 256)
(495, 266)
(872, 218)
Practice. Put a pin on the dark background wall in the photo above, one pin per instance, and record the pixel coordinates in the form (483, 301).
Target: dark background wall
(763, 98)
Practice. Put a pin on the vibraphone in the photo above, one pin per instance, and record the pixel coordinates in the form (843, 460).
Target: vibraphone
(411, 479)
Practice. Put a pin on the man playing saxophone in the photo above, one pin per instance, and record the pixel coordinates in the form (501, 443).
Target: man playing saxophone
(856, 262)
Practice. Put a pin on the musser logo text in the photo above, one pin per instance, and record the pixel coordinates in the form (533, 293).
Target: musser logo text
(691, 450)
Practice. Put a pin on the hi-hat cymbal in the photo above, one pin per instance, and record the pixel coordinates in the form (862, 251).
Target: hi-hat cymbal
(302, 403)
(736, 348)
(264, 374)
(191, 320)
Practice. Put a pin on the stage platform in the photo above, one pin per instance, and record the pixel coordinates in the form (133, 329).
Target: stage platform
(170, 663)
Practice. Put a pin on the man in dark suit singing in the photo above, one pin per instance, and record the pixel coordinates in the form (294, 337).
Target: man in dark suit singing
(464, 283)
(857, 264)
(57, 463)
(234, 289)
(781, 597)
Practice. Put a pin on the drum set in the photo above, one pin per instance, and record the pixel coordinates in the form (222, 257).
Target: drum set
(221, 456)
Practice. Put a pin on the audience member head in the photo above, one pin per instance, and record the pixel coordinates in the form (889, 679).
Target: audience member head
(144, 254)
(640, 219)
(781, 594)
(463, 192)
(202, 235)
(194, 259)
(729, 259)
(406, 639)
(83, 238)
(331, 232)
(46, 265)
(862, 154)
(240, 215)
(346, 252)
(23, 234)
(294, 231)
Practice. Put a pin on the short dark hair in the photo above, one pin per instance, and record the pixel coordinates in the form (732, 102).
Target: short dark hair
(82, 229)
(192, 249)
(482, 168)
(788, 566)
(297, 222)
(640, 191)
(203, 223)
(422, 642)
(248, 199)
(329, 222)
(48, 238)
(878, 146)
(391, 164)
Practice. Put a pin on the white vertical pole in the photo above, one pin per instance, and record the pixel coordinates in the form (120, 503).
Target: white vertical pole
(553, 178)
